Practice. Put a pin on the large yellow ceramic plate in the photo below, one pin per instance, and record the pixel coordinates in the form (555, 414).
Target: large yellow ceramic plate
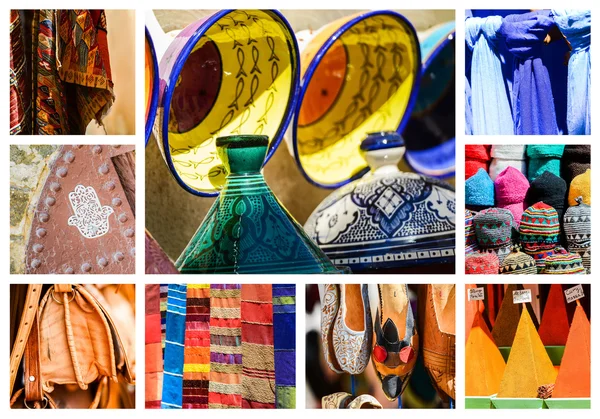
(235, 72)
(359, 75)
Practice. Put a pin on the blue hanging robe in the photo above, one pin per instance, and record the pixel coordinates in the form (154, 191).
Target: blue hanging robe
(491, 113)
(532, 100)
(575, 25)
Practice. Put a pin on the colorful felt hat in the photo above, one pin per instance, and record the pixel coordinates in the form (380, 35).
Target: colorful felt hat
(539, 232)
(511, 187)
(470, 238)
(476, 157)
(575, 161)
(543, 158)
(578, 231)
(563, 262)
(580, 187)
(481, 263)
(504, 156)
(518, 263)
(550, 189)
(479, 190)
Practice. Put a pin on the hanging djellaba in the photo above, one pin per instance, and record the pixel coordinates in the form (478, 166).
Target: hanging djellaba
(228, 84)
(363, 84)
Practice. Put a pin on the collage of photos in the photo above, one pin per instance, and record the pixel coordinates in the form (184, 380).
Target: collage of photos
(279, 144)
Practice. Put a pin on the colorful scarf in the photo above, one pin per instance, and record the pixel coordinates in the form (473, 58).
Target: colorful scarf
(284, 331)
(154, 355)
(172, 395)
(60, 76)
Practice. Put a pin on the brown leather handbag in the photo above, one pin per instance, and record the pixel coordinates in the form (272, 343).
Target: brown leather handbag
(72, 348)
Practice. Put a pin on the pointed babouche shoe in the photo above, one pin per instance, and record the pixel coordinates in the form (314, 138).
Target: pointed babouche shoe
(396, 341)
(437, 318)
(329, 310)
(366, 401)
(353, 329)
(339, 400)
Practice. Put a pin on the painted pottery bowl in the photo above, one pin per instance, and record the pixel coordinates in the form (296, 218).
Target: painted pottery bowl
(233, 73)
(151, 84)
(360, 74)
(388, 220)
(430, 132)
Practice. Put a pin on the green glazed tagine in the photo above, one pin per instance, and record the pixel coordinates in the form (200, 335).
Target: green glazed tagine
(247, 230)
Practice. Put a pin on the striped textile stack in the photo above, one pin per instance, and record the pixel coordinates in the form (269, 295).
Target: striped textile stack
(196, 361)
(225, 347)
(284, 330)
(154, 355)
(258, 378)
(172, 394)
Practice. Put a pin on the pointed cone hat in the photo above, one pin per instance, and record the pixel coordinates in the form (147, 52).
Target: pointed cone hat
(508, 317)
(554, 327)
(574, 375)
(484, 365)
(529, 365)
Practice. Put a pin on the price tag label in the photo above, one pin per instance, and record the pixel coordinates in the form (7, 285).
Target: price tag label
(521, 296)
(574, 293)
(476, 294)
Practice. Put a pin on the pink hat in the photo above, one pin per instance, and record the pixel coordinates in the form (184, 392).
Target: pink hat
(511, 187)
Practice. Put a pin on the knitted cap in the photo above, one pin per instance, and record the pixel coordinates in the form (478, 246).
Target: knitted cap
(470, 239)
(479, 190)
(563, 262)
(481, 263)
(502, 251)
(581, 187)
(545, 151)
(498, 165)
(540, 257)
(578, 232)
(575, 161)
(509, 152)
(518, 263)
(543, 158)
(510, 190)
(493, 228)
(550, 189)
(476, 157)
(539, 229)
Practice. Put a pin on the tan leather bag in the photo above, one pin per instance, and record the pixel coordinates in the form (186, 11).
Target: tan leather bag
(71, 348)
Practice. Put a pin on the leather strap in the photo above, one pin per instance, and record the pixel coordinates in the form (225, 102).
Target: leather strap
(30, 308)
(32, 371)
(63, 288)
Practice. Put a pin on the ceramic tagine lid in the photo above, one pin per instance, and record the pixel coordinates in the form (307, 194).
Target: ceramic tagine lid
(388, 220)
(234, 72)
(247, 230)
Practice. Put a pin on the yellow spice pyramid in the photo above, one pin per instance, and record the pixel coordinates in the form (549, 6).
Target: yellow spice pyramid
(529, 365)
(484, 362)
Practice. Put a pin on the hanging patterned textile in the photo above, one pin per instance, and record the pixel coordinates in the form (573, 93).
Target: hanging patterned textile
(258, 356)
(154, 355)
(284, 330)
(225, 389)
(575, 25)
(196, 360)
(172, 392)
(491, 112)
(532, 100)
(60, 76)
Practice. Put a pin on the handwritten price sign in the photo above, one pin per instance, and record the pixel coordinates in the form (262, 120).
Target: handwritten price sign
(521, 296)
(574, 293)
(476, 294)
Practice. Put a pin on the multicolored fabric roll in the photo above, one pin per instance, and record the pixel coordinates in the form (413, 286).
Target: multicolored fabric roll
(225, 387)
(258, 378)
(164, 289)
(284, 330)
(153, 348)
(172, 394)
(196, 361)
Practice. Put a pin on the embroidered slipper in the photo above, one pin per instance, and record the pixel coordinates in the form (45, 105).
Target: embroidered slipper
(353, 329)
(329, 309)
(339, 400)
(365, 401)
(394, 358)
